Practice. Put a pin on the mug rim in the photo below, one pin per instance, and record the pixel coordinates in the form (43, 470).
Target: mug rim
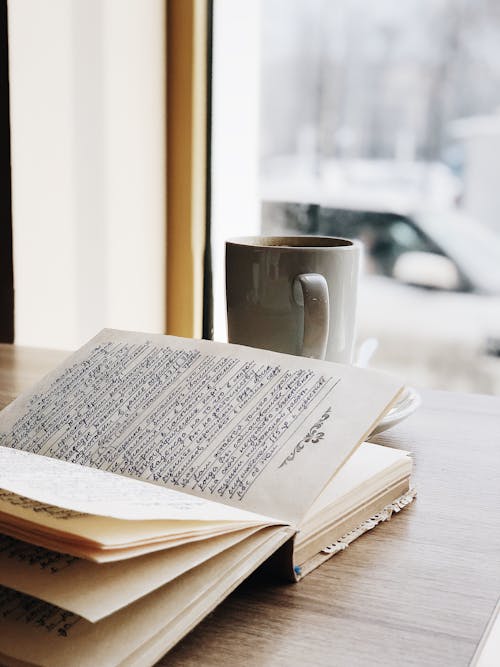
(320, 243)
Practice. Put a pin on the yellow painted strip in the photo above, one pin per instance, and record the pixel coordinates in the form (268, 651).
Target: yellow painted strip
(186, 164)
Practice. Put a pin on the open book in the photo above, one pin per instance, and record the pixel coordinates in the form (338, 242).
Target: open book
(146, 477)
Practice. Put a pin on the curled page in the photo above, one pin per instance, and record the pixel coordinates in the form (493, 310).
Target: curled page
(63, 580)
(36, 632)
(90, 491)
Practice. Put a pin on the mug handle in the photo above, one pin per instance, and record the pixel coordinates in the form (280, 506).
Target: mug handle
(310, 290)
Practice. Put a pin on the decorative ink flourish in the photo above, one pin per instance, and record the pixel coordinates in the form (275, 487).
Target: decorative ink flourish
(314, 436)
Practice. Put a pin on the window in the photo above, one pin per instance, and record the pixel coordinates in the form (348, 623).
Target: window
(378, 121)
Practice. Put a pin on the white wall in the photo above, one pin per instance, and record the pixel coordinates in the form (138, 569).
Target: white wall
(87, 85)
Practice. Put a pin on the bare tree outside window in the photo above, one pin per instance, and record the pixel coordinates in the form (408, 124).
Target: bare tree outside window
(350, 79)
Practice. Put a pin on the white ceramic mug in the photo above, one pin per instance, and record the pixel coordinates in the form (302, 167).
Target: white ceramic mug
(293, 294)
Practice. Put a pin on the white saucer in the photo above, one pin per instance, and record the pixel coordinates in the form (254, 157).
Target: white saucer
(407, 404)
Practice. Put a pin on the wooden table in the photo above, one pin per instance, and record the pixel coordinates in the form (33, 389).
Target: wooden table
(418, 590)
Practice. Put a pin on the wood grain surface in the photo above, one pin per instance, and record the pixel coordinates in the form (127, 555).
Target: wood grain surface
(418, 590)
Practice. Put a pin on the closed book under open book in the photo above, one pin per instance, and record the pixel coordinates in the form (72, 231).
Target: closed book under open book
(146, 477)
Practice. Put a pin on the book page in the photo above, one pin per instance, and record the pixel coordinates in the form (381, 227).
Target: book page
(100, 538)
(368, 466)
(63, 580)
(37, 632)
(253, 429)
